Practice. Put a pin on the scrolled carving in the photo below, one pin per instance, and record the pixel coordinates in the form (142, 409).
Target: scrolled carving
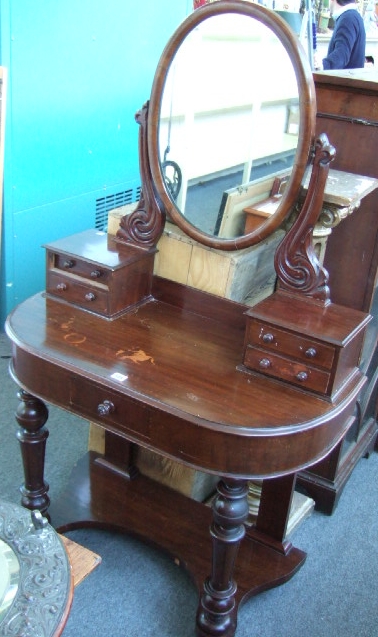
(331, 216)
(44, 587)
(144, 226)
(296, 262)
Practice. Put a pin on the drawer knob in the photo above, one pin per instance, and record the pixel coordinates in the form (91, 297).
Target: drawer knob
(302, 376)
(69, 264)
(105, 408)
(268, 337)
(61, 287)
(310, 352)
(90, 296)
(265, 363)
(95, 274)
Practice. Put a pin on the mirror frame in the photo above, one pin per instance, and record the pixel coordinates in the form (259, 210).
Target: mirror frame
(307, 110)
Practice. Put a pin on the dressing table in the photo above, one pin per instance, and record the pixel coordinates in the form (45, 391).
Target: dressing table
(174, 370)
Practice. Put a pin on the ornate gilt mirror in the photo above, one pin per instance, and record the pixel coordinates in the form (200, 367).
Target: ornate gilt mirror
(233, 96)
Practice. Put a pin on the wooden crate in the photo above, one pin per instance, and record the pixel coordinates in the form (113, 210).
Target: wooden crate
(245, 276)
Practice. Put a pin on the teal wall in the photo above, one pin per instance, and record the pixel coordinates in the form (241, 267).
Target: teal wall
(78, 72)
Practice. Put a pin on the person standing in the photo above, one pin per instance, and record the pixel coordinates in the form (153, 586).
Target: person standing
(346, 49)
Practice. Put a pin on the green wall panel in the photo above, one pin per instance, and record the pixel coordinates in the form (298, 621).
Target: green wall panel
(51, 223)
(78, 72)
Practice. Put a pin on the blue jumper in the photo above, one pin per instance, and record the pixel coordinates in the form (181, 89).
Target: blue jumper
(346, 48)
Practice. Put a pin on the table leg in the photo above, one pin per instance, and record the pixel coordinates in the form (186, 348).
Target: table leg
(119, 456)
(274, 512)
(31, 415)
(217, 608)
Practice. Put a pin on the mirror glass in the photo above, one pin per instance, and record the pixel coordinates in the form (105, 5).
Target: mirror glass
(9, 577)
(229, 116)
(231, 122)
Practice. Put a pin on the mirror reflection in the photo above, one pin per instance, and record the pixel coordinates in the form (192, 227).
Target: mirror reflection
(229, 123)
(9, 577)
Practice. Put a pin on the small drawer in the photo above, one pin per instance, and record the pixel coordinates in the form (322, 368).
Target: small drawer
(286, 369)
(310, 351)
(79, 267)
(108, 407)
(72, 290)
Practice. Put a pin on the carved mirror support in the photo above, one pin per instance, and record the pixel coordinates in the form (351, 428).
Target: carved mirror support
(296, 262)
(144, 226)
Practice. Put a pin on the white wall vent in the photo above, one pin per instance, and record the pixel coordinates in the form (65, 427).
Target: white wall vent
(110, 202)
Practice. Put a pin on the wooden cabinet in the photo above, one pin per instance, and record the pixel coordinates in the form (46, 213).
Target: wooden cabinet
(92, 271)
(347, 111)
(318, 351)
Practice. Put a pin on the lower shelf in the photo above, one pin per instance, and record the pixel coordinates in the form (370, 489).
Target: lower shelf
(99, 497)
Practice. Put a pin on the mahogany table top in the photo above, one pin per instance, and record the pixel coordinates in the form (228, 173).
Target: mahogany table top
(170, 371)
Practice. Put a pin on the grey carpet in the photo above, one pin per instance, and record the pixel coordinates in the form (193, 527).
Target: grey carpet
(138, 592)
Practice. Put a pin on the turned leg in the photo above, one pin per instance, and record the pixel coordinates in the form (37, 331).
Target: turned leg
(217, 613)
(31, 415)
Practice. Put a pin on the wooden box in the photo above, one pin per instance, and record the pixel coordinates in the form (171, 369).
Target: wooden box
(319, 352)
(93, 271)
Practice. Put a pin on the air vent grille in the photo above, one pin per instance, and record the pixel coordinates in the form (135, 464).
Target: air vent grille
(110, 202)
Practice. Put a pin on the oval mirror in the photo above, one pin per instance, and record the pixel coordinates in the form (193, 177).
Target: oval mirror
(231, 122)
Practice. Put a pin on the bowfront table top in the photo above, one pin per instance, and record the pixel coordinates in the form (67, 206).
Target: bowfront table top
(171, 375)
